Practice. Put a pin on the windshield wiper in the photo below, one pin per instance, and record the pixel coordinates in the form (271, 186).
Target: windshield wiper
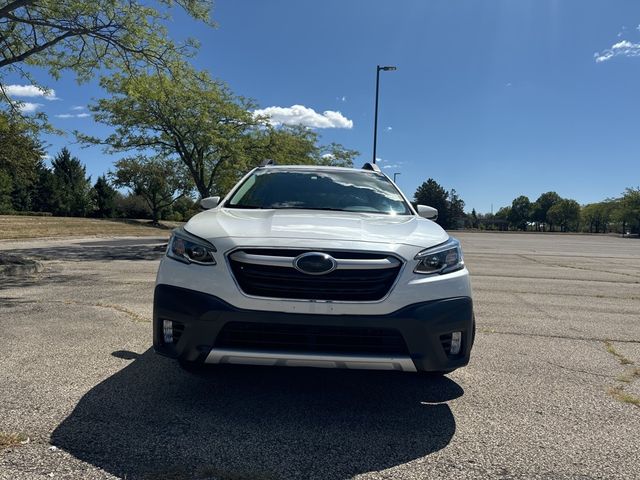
(248, 207)
(329, 209)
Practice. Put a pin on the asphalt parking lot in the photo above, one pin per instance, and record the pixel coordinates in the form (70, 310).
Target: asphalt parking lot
(549, 392)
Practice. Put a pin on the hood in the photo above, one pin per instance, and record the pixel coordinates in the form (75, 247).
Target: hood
(316, 225)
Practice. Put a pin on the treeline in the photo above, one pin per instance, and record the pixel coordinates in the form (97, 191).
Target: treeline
(550, 212)
(164, 185)
(65, 190)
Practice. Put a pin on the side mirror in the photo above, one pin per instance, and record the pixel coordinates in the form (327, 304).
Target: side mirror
(427, 212)
(209, 202)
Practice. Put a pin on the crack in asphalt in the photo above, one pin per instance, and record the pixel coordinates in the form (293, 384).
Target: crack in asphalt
(561, 337)
(554, 294)
(523, 277)
(560, 265)
(119, 308)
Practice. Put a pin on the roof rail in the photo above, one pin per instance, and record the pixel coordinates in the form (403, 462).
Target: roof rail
(371, 166)
(268, 162)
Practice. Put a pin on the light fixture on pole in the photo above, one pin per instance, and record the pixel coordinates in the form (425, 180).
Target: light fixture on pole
(395, 175)
(375, 121)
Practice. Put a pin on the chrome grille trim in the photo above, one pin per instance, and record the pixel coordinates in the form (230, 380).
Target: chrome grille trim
(342, 263)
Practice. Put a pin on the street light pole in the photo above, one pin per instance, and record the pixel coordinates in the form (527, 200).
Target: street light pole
(394, 176)
(375, 121)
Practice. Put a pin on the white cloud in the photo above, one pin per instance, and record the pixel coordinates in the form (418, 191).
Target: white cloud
(73, 115)
(29, 91)
(389, 129)
(392, 165)
(625, 48)
(28, 107)
(77, 108)
(308, 117)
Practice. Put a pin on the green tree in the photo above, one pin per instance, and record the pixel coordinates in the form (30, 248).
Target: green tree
(20, 157)
(104, 196)
(203, 123)
(6, 187)
(541, 206)
(71, 186)
(565, 213)
(431, 193)
(475, 222)
(193, 117)
(502, 218)
(160, 181)
(86, 36)
(456, 209)
(45, 190)
(597, 216)
(520, 213)
(627, 210)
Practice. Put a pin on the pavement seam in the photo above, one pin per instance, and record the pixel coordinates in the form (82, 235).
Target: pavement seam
(562, 337)
(560, 265)
(119, 308)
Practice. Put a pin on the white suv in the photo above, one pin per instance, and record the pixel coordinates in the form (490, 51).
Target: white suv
(317, 267)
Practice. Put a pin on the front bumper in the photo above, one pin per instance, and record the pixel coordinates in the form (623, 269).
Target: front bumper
(422, 326)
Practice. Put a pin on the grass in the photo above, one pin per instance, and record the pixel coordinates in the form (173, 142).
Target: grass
(629, 376)
(619, 394)
(18, 226)
(12, 439)
(621, 358)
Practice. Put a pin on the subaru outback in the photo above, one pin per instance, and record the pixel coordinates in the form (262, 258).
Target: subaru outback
(318, 267)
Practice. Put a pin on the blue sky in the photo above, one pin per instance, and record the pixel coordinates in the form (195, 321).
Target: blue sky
(492, 98)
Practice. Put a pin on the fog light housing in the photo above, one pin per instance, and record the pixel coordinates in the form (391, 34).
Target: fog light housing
(167, 331)
(456, 343)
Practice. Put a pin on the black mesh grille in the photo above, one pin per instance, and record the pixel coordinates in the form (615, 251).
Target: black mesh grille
(311, 339)
(287, 282)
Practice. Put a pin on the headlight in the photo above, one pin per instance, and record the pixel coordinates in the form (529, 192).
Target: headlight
(443, 258)
(188, 248)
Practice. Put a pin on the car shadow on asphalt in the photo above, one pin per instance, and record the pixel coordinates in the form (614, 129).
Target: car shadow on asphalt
(153, 420)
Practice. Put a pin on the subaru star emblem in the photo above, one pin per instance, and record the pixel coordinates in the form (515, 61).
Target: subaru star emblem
(315, 263)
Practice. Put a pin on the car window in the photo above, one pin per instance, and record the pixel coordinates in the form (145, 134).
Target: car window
(325, 190)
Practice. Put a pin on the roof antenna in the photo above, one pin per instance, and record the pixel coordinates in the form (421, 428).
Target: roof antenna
(371, 166)
(267, 162)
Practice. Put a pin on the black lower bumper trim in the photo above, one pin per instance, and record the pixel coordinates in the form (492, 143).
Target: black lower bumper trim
(414, 331)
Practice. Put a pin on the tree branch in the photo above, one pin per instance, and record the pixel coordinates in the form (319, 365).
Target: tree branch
(11, 6)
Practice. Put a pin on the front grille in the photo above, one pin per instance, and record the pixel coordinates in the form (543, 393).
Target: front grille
(284, 281)
(311, 339)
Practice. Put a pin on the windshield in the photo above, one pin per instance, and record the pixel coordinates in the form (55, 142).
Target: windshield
(347, 191)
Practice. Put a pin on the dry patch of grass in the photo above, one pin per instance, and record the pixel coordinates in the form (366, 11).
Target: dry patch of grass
(18, 226)
(621, 358)
(619, 394)
(12, 439)
(629, 376)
